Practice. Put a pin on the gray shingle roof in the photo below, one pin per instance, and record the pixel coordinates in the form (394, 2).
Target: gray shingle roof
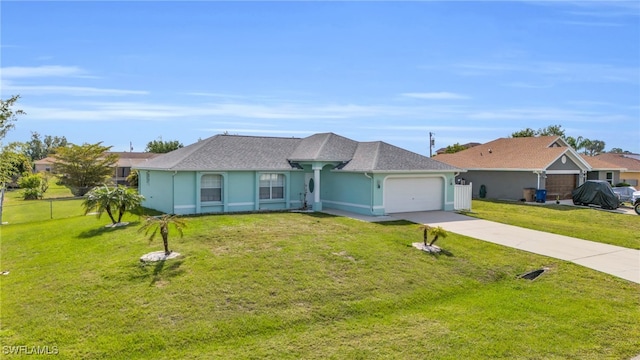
(380, 156)
(324, 147)
(232, 152)
(228, 152)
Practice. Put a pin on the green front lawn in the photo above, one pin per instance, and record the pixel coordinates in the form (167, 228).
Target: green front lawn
(301, 286)
(589, 224)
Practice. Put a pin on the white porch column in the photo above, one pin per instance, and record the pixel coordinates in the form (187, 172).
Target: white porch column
(317, 205)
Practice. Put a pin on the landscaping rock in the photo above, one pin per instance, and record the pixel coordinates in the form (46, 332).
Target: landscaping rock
(433, 249)
(158, 256)
(116, 225)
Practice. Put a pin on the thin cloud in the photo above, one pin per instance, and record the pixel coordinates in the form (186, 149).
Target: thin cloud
(12, 72)
(68, 90)
(524, 85)
(606, 8)
(215, 95)
(461, 128)
(589, 23)
(241, 131)
(334, 114)
(548, 114)
(435, 96)
(556, 71)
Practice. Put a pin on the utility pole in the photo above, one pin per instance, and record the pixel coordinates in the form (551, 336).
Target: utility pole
(432, 143)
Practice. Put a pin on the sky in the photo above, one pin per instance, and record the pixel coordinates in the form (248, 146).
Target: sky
(127, 73)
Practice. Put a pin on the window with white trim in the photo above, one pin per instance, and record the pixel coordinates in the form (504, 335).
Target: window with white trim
(610, 177)
(271, 186)
(211, 188)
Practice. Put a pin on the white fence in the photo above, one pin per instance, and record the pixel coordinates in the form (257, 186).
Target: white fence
(462, 197)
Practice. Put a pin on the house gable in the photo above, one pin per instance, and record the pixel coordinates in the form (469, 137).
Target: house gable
(324, 147)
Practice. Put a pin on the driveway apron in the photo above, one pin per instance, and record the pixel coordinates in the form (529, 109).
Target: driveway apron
(614, 260)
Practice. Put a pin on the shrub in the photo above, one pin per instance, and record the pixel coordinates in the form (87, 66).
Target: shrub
(34, 185)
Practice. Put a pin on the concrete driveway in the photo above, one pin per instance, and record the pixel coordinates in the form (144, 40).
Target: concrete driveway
(614, 260)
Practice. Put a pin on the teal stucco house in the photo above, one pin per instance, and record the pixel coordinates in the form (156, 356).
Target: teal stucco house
(231, 173)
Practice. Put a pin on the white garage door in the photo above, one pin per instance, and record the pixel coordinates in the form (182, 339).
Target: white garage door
(413, 194)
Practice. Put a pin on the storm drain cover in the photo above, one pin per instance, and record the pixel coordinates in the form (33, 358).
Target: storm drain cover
(532, 275)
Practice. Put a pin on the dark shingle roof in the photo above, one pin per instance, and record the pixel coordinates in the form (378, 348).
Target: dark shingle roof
(232, 152)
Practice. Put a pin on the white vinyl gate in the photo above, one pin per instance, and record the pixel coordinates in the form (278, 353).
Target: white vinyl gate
(462, 197)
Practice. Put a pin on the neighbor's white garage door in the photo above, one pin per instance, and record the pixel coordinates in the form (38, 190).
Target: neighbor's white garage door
(404, 194)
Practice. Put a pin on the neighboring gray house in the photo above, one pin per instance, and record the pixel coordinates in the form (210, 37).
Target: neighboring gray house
(629, 163)
(603, 170)
(507, 166)
(227, 173)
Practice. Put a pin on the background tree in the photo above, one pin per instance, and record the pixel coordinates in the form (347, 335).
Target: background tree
(551, 130)
(528, 132)
(7, 115)
(82, 167)
(591, 147)
(162, 147)
(619, 151)
(8, 161)
(111, 200)
(17, 159)
(452, 149)
(161, 224)
(39, 149)
(576, 143)
(594, 147)
(13, 163)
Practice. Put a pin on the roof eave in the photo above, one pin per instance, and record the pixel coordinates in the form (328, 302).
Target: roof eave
(400, 171)
(219, 170)
(504, 169)
(319, 160)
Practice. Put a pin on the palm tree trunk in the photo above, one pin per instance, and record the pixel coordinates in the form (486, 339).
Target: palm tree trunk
(108, 209)
(424, 237)
(434, 240)
(122, 210)
(165, 239)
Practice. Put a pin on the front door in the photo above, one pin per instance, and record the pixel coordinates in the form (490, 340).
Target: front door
(309, 188)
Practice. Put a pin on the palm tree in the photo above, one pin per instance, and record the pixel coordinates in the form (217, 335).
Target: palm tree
(437, 232)
(128, 199)
(425, 233)
(109, 200)
(133, 177)
(155, 224)
(101, 199)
